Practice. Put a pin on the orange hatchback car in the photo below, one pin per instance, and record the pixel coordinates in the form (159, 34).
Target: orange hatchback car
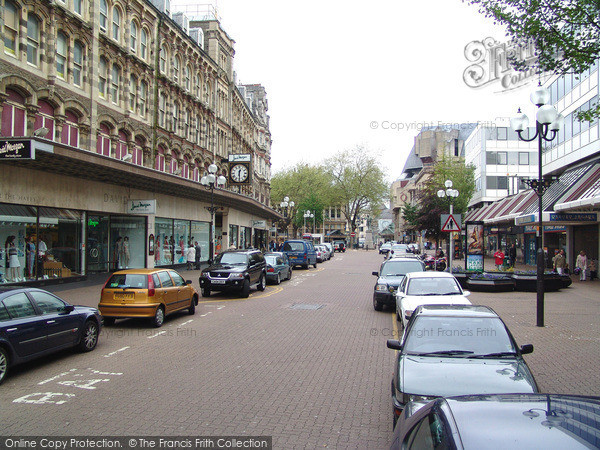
(152, 293)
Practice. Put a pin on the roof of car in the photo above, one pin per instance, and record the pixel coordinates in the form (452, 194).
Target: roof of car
(455, 310)
(431, 274)
(403, 258)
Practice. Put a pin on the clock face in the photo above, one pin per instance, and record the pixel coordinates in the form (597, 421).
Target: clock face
(239, 173)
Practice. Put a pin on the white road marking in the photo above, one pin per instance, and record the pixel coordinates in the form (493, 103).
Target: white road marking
(157, 334)
(108, 355)
(44, 398)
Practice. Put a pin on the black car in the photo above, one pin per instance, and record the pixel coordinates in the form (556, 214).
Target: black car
(389, 277)
(449, 350)
(35, 323)
(339, 246)
(502, 421)
(235, 270)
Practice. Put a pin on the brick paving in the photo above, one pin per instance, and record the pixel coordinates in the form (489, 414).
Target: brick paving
(305, 362)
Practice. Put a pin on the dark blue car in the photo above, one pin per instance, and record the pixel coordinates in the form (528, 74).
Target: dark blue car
(34, 323)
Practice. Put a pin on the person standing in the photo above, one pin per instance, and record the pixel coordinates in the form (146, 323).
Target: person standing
(125, 255)
(191, 257)
(499, 259)
(560, 262)
(581, 264)
(30, 250)
(512, 255)
(198, 254)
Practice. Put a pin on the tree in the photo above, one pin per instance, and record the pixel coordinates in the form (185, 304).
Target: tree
(410, 215)
(566, 33)
(358, 183)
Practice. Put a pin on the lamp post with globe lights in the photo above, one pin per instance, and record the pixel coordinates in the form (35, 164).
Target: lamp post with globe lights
(307, 215)
(287, 206)
(210, 181)
(450, 194)
(548, 123)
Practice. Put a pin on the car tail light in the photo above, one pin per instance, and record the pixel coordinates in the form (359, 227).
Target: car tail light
(270, 269)
(104, 287)
(305, 255)
(150, 286)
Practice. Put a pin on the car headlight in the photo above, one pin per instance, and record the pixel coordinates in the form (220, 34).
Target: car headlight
(236, 276)
(408, 313)
(381, 287)
(204, 275)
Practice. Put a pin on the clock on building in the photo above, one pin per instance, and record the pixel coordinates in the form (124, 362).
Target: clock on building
(239, 173)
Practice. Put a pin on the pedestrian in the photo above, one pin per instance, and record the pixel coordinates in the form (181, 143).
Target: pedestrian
(581, 265)
(560, 262)
(198, 254)
(512, 255)
(191, 257)
(499, 259)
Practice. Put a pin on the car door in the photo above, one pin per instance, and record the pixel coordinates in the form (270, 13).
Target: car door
(168, 291)
(25, 329)
(184, 292)
(254, 268)
(62, 326)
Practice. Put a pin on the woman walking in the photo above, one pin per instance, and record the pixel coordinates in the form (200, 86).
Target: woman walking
(581, 264)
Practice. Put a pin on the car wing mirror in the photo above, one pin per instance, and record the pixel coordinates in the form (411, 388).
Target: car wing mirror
(376, 274)
(188, 281)
(394, 344)
(527, 348)
(466, 293)
(68, 309)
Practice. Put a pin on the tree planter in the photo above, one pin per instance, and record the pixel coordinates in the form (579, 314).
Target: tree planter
(490, 283)
(462, 278)
(528, 282)
(565, 280)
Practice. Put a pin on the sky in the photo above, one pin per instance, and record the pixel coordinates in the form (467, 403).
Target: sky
(340, 74)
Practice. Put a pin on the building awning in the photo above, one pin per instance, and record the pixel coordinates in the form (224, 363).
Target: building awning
(512, 207)
(584, 196)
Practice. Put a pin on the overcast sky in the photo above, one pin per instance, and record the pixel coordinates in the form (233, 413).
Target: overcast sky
(343, 73)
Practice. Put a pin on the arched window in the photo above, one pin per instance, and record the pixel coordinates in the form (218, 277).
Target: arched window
(196, 172)
(143, 98)
(121, 147)
(133, 37)
(186, 124)
(198, 87)
(198, 132)
(174, 163)
(77, 6)
(102, 76)
(45, 118)
(143, 44)
(13, 114)
(33, 39)
(176, 118)
(162, 106)
(103, 140)
(132, 92)
(61, 55)
(115, 80)
(138, 152)
(176, 69)
(103, 15)
(116, 23)
(11, 27)
(163, 59)
(77, 63)
(160, 159)
(187, 78)
(185, 170)
(70, 130)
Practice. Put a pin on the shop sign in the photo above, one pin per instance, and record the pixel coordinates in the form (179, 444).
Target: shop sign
(547, 228)
(259, 223)
(141, 206)
(573, 217)
(240, 158)
(525, 219)
(16, 150)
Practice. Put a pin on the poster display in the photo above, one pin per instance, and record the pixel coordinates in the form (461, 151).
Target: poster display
(474, 247)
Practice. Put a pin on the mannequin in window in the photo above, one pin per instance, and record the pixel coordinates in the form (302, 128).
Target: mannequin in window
(125, 255)
(30, 251)
(117, 252)
(14, 264)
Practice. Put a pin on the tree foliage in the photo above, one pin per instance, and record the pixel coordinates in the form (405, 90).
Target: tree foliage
(410, 215)
(566, 33)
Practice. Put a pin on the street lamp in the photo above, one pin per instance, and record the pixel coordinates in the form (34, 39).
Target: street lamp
(547, 120)
(284, 205)
(307, 215)
(211, 181)
(450, 194)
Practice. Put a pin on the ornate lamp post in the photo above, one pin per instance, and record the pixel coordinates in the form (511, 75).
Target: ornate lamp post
(548, 123)
(284, 205)
(307, 215)
(450, 194)
(211, 181)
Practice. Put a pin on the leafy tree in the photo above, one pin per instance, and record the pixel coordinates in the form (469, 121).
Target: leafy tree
(410, 215)
(566, 33)
(358, 183)
(315, 205)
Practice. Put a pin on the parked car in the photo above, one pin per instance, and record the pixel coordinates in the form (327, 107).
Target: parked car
(320, 254)
(151, 293)
(300, 252)
(502, 421)
(399, 250)
(390, 275)
(326, 254)
(235, 270)
(451, 350)
(385, 248)
(420, 288)
(329, 246)
(35, 323)
(339, 246)
(278, 267)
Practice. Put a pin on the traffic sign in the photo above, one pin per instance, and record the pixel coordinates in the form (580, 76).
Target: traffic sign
(450, 222)
(353, 234)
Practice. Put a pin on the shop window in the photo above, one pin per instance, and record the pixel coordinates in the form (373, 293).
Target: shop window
(77, 63)
(103, 140)
(45, 118)
(59, 241)
(33, 39)
(233, 236)
(11, 27)
(164, 242)
(70, 130)
(128, 242)
(13, 115)
(182, 239)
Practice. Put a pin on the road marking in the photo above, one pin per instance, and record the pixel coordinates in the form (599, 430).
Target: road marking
(44, 398)
(57, 376)
(185, 323)
(157, 334)
(108, 355)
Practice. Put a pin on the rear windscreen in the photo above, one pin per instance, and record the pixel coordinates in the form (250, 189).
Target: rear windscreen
(128, 280)
(293, 247)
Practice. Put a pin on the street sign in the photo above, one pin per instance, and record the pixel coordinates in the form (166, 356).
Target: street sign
(353, 234)
(450, 222)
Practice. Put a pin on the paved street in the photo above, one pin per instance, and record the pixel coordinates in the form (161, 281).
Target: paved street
(304, 362)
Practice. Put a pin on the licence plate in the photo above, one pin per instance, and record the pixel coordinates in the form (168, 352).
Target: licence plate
(218, 281)
(124, 296)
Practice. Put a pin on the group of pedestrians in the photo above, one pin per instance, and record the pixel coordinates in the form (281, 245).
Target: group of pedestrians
(193, 255)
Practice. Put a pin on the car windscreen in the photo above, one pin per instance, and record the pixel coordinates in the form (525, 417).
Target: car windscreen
(271, 259)
(293, 247)
(469, 336)
(399, 268)
(433, 286)
(131, 280)
(231, 258)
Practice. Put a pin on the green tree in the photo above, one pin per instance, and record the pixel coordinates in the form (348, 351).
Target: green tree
(410, 215)
(358, 183)
(566, 33)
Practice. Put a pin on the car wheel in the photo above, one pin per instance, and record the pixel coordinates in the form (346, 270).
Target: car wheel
(245, 292)
(108, 321)
(262, 283)
(289, 274)
(205, 292)
(89, 336)
(3, 364)
(398, 318)
(192, 308)
(305, 266)
(377, 306)
(159, 317)
(315, 265)
(278, 279)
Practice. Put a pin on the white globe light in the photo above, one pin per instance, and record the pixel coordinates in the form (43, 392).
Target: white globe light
(211, 178)
(292, 204)
(286, 199)
(221, 181)
(212, 168)
(546, 114)
(520, 122)
(204, 180)
(541, 96)
(557, 123)
(448, 183)
(441, 193)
